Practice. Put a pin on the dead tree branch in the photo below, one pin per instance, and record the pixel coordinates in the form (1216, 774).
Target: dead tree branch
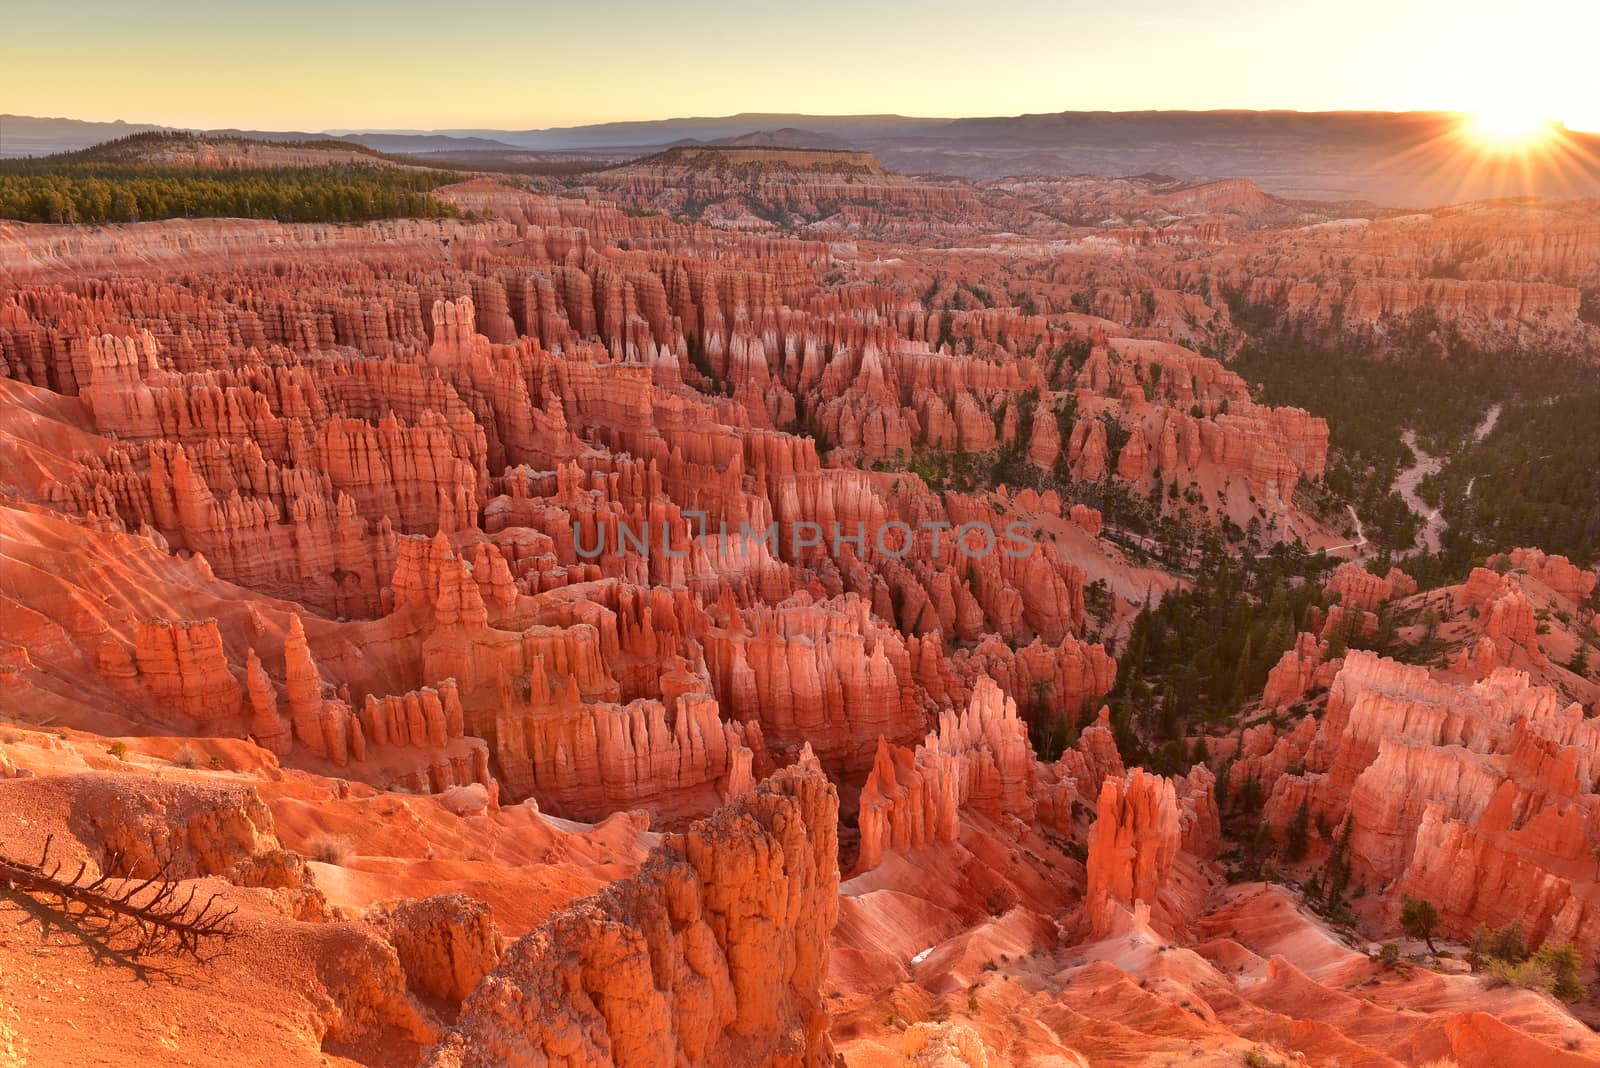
(124, 919)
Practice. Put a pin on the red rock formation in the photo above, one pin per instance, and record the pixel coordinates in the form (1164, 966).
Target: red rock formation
(1044, 441)
(714, 952)
(1504, 615)
(1266, 755)
(1096, 757)
(1557, 572)
(185, 670)
(1300, 670)
(1132, 847)
(1087, 518)
(1371, 302)
(1432, 775)
(1511, 268)
(588, 760)
(268, 727)
(1359, 590)
(979, 758)
(1536, 870)
(300, 969)
(324, 726)
(742, 186)
(1087, 450)
(932, 1045)
(1200, 820)
(446, 944)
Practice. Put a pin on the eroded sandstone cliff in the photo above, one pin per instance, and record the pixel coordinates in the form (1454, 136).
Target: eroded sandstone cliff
(713, 953)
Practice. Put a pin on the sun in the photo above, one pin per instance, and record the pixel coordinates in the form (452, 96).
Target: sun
(1509, 127)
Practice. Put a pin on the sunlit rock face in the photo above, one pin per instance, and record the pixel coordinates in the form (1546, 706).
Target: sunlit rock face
(714, 951)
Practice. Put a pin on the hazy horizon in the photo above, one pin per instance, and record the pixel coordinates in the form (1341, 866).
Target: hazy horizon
(365, 66)
(470, 128)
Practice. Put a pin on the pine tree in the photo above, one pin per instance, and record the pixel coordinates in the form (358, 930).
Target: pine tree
(1250, 794)
(1297, 838)
(1241, 672)
(1419, 919)
(1339, 868)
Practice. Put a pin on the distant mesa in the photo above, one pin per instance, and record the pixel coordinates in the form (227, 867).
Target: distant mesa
(788, 137)
(751, 155)
(223, 151)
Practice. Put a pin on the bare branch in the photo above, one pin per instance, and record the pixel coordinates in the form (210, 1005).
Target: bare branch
(122, 924)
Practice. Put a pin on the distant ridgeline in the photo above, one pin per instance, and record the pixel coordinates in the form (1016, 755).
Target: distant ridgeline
(177, 175)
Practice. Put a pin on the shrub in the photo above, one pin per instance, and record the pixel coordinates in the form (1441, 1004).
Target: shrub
(1390, 954)
(187, 757)
(1526, 975)
(1562, 962)
(328, 848)
(1506, 943)
(118, 749)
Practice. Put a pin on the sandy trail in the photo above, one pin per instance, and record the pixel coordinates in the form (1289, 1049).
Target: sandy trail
(1406, 482)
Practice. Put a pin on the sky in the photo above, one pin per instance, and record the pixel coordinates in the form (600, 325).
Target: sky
(521, 64)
